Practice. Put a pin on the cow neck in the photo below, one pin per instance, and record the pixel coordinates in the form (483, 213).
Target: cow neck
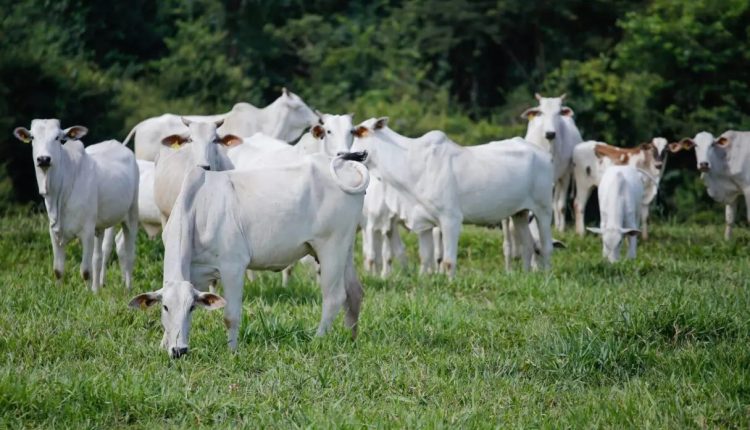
(178, 233)
(61, 181)
(275, 117)
(391, 155)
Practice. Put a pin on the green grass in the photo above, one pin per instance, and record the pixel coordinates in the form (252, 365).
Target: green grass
(661, 341)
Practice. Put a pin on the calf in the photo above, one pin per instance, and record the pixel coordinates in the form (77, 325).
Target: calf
(620, 196)
(261, 218)
(85, 191)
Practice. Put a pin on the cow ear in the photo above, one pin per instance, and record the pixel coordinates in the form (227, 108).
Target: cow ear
(380, 123)
(210, 301)
(174, 141)
(538, 96)
(722, 142)
(142, 301)
(76, 132)
(318, 131)
(230, 140)
(219, 123)
(360, 131)
(647, 146)
(630, 231)
(530, 113)
(566, 111)
(674, 147)
(687, 144)
(623, 158)
(594, 230)
(185, 121)
(22, 134)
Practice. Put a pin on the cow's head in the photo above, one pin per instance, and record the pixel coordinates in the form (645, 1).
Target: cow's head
(546, 118)
(708, 150)
(612, 240)
(658, 149)
(203, 142)
(334, 134)
(46, 139)
(178, 300)
(296, 116)
(365, 134)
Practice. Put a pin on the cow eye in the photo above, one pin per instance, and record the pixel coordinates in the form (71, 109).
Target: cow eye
(166, 309)
(329, 131)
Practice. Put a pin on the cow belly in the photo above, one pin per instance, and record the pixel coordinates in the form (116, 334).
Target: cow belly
(276, 256)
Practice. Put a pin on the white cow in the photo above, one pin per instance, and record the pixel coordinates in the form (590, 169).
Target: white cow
(381, 240)
(551, 126)
(620, 196)
(262, 218)
(447, 185)
(199, 145)
(332, 135)
(286, 118)
(649, 157)
(85, 191)
(724, 164)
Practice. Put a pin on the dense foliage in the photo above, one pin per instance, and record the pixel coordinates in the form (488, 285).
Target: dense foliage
(631, 69)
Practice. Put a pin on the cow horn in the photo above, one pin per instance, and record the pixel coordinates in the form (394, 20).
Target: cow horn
(538, 96)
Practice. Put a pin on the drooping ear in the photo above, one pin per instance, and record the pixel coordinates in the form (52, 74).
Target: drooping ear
(210, 301)
(219, 123)
(174, 141)
(142, 301)
(318, 131)
(76, 132)
(722, 142)
(185, 121)
(530, 113)
(360, 131)
(380, 123)
(687, 144)
(230, 140)
(22, 134)
(674, 147)
(595, 230)
(566, 111)
(630, 231)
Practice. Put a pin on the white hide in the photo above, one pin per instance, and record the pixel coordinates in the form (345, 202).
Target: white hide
(85, 191)
(381, 240)
(447, 185)
(724, 164)
(262, 218)
(286, 118)
(620, 196)
(649, 157)
(551, 127)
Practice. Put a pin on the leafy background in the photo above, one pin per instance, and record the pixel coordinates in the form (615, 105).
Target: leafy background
(632, 69)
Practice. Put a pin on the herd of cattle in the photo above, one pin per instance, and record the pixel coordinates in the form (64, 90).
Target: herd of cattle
(232, 195)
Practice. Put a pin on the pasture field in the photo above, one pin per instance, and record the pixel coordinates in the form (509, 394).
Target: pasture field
(662, 341)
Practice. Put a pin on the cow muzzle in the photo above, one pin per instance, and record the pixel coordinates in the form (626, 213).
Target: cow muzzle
(550, 135)
(44, 161)
(177, 352)
(206, 168)
(704, 166)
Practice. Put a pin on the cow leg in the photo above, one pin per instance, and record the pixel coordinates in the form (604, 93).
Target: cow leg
(107, 245)
(426, 252)
(583, 192)
(507, 245)
(58, 258)
(232, 281)
(437, 240)
(286, 274)
(397, 244)
(386, 255)
(560, 197)
(730, 212)
(644, 220)
(354, 295)
(332, 274)
(250, 275)
(126, 247)
(544, 226)
(97, 261)
(632, 245)
(451, 230)
(523, 237)
(371, 250)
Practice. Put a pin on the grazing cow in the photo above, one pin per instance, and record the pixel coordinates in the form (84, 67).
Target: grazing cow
(551, 126)
(447, 185)
(199, 146)
(620, 197)
(332, 135)
(649, 157)
(286, 118)
(85, 191)
(262, 218)
(724, 164)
